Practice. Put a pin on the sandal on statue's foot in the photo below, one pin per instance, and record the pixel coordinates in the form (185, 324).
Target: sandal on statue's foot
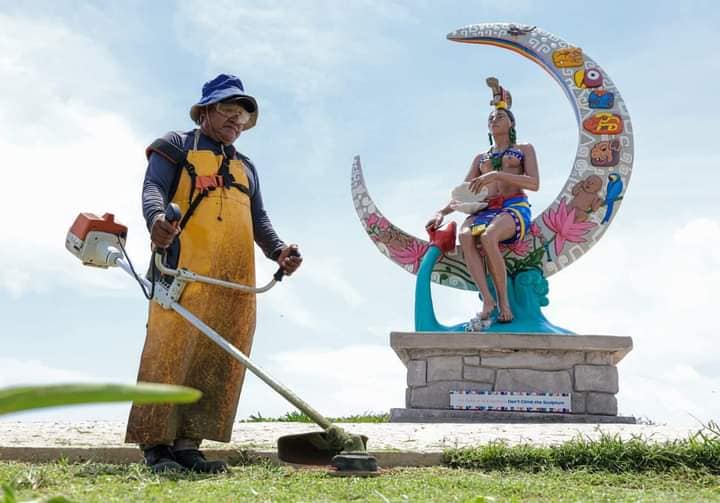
(478, 324)
(486, 314)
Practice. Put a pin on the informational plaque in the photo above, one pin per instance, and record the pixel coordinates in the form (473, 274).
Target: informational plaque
(510, 401)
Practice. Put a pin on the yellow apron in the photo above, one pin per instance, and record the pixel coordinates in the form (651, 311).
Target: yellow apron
(217, 241)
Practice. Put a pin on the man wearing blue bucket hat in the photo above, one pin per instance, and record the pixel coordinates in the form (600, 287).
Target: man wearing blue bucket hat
(218, 192)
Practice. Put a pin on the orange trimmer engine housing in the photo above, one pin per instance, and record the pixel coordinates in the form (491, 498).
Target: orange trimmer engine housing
(93, 239)
(89, 222)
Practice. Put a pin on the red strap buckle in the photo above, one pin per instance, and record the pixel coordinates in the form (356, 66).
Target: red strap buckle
(204, 183)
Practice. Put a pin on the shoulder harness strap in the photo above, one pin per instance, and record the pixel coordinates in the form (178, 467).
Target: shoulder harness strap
(246, 160)
(205, 184)
(166, 149)
(176, 156)
(201, 184)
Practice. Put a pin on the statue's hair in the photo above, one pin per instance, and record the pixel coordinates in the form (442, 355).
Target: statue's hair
(513, 131)
(507, 111)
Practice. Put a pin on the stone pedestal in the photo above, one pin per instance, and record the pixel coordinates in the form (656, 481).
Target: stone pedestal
(440, 362)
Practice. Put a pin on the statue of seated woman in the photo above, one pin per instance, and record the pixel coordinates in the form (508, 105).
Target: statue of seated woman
(507, 170)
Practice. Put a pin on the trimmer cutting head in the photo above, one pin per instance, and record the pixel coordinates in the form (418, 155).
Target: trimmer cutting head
(325, 448)
(355, 464)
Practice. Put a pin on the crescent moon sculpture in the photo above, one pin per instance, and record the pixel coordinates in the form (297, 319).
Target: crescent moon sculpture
(590, 198)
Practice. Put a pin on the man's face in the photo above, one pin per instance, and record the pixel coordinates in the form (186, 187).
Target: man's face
(224, 121)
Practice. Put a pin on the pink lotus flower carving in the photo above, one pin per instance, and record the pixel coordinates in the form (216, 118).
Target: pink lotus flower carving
(562, 223)
(519, 248)
(411, 255)
(535, 230)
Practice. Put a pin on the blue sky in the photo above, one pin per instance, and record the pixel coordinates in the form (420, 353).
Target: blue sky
(84, 87)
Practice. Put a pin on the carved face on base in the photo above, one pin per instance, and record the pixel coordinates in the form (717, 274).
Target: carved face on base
(605, 153)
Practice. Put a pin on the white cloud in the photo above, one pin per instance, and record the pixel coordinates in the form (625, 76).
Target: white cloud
(47, 72)
(660, 288)
(345, 381)
(284, 299)
(16, 281)
(298, 46)
(15, 372)
(652, 280)
(299, 60)
(332, 278)
(63, 152)
(97, 171)
(298, 298)
(677, 395)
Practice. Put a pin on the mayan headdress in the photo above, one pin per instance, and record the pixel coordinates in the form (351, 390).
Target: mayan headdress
(501, 100)
(501, 97)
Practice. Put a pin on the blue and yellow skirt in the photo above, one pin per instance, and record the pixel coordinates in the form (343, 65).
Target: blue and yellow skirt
(517, 207)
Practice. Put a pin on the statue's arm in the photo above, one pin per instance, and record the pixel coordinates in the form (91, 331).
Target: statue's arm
(531, 179)
(473, 173)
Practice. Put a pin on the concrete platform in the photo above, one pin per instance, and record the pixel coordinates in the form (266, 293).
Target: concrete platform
(394, 444)
(481, 416)
(581, 366)
(408, 344)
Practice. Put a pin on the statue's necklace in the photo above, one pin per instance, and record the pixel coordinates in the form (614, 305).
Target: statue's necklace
(496, 158)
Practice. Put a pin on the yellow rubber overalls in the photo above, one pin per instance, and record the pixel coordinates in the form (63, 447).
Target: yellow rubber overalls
(217, 241)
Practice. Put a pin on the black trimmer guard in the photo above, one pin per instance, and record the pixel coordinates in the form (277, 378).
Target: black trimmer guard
(313, 448)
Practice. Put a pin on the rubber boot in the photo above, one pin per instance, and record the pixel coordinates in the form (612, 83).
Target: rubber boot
(194, 460)
(161, 458)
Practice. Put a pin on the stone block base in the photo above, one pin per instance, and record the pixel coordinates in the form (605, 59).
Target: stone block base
(583, 366)
(482, 416)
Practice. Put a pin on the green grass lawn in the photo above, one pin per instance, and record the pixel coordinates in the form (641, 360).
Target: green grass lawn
(267, 482)
(604, 469)
(296, 416)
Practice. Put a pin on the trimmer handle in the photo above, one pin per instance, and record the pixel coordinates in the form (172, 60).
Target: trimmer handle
(172, 213)
(278, 276)
(172, 216)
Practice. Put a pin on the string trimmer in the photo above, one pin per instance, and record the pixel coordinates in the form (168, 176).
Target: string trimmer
(100, 242)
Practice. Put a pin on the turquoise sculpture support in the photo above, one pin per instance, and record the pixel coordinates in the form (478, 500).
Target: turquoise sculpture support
(527, 291)
(425, 320)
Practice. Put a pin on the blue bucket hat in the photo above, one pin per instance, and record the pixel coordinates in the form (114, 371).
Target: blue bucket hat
(221, 88)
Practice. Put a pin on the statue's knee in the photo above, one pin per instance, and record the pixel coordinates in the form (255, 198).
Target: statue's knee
(488, 239)
(466, 237)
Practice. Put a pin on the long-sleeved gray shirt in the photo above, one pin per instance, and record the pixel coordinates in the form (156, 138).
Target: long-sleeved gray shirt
(161, 175)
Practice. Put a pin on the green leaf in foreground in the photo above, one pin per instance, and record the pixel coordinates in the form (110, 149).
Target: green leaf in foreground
(34, 397)
(8, 494)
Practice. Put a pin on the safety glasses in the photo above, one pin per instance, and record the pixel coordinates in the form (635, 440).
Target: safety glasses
(233, 109)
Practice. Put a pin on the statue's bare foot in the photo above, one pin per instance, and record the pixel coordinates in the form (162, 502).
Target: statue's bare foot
(506, 315)
(488, 308)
